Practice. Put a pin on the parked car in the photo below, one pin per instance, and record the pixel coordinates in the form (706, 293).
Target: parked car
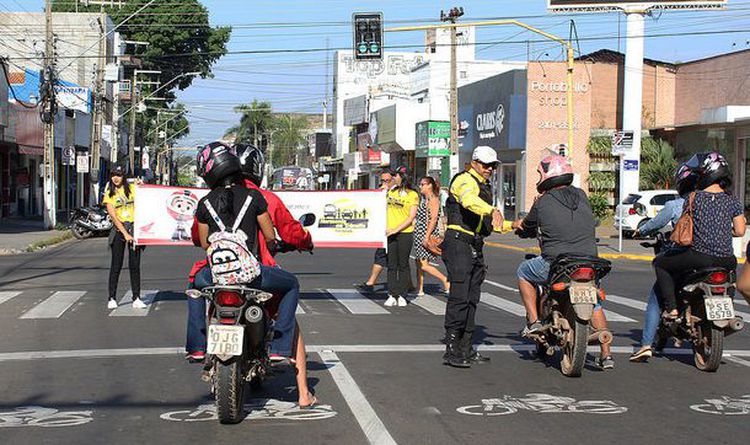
(637, 208)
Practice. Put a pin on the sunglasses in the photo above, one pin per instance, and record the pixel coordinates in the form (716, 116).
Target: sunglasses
(491, 166)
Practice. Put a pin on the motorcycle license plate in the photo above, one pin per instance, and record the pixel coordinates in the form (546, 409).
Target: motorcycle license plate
(225, 340)
(719, 308)
(582, 294)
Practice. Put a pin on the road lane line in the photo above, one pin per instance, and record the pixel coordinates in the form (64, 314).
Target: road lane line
(180, 351)
(737, 360)
(431, 304)
(54, 306)
(300, 310)
(501, 286)
(366, 416)
(125, 307)
(614, 316)
(5, 296)
(629, 302)
(356, 303)
(741, 301)
(503, 304)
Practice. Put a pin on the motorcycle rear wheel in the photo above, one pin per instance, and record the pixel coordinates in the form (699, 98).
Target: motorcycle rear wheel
(574, 351)
(229, 391)
(79, 232)
(707, 355)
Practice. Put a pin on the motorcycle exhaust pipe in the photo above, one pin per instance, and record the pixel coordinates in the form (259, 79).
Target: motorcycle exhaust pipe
(601, 337)
(735, 325)
(256, 328)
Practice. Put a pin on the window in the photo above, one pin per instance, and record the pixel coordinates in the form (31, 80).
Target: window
(631, 199)
(660, 200)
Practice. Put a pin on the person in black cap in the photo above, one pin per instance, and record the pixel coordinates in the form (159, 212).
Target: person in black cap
(402, 201)
(119, 197)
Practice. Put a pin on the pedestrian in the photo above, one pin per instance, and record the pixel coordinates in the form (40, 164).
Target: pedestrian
(471, 218)
(119, 197)
(426, 225)
(401, 210)
(380, 261)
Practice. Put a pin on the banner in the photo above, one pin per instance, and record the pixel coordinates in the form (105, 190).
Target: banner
(343, 219)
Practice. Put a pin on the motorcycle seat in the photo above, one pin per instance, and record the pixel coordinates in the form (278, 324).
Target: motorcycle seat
(566, 262)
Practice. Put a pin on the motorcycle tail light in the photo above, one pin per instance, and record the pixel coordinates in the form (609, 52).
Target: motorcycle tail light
(718, 278)
(718, 289)
(583, 274)
(559, 287)
(227, 298)
(225, 320)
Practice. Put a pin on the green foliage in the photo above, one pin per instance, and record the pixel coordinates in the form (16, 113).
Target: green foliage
(600, 146)
(255, 124)
(602, 181)
(289, 139)
(599, 205)
(658, 164)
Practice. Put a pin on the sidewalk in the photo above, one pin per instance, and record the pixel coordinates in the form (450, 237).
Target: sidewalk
(18, 235)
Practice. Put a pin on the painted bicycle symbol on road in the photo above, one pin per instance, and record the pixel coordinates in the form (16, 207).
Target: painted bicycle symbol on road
(43, 417)
(725, 406)
(257, 409)
(541, 403)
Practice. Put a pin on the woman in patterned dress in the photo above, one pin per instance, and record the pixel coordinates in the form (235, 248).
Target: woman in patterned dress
(428, 213)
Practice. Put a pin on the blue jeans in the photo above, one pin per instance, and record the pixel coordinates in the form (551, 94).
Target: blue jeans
(272, 279)
(651, 320)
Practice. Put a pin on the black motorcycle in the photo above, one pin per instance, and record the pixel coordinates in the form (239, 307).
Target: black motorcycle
(239, 332)
(706, 312)
(86, 222)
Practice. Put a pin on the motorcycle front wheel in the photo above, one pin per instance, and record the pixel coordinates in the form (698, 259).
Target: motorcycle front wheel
(574, 350)
(80, 232)
(229, 390)
(708, 350)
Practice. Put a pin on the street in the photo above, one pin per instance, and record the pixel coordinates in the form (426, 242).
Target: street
(76, 372)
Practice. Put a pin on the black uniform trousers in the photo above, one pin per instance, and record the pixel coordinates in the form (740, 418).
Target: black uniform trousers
(462, 255)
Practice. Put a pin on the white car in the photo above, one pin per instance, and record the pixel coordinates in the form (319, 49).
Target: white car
(637, 208)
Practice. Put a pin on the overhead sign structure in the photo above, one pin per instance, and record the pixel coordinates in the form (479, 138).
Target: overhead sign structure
(622, 142)
(608, 5)
(368, 35)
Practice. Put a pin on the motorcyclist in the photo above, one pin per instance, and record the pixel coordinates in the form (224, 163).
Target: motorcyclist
(565, 224)
(685, 180)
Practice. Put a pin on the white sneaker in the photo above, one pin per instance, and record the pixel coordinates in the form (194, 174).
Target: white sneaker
(139, 304)
(390, 301)
(112, 304)
(401, 301)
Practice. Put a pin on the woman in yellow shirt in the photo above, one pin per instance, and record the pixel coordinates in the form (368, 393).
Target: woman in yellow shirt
(402, 202)
(119, 197)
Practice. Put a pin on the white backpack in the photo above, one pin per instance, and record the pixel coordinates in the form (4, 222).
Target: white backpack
(230, 260)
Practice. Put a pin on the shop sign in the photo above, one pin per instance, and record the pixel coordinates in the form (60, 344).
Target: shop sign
(433, 139)
(73, 98)
(630, 165)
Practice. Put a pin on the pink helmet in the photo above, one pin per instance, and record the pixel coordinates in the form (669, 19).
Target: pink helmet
(554, 171)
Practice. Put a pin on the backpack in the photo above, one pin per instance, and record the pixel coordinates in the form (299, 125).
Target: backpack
(230, 260)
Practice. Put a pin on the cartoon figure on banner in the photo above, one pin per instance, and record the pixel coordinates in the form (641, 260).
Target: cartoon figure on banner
(181, 207)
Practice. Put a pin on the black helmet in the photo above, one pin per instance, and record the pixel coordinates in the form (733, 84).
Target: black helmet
(217, 161)
(685, 179)
(252, 162)
(710, 168)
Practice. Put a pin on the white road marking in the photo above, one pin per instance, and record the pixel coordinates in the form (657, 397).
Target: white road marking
(5, 296)
(503, 304)
(431, 304)
(180, 351)
(629, 302)
(54, 306)
(614, 316)
(737, 360)
(356, 303)
(368, 420)
(740, 300)
(126, 309)
(501, 286)
(300, 310)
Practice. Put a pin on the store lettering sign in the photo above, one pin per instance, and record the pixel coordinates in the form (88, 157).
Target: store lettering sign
(390, 65)
(490, 124)
(433, 138)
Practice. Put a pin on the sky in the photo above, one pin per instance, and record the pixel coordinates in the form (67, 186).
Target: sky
(301, 82)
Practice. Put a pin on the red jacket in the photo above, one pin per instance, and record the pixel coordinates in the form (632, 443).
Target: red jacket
(289, 229)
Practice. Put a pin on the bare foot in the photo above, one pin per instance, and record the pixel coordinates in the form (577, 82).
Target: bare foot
(307, 401)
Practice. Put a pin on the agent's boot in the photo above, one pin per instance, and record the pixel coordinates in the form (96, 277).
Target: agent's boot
(454, 356)
(471, 354)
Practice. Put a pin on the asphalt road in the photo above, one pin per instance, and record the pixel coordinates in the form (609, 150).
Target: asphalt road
(74, 372)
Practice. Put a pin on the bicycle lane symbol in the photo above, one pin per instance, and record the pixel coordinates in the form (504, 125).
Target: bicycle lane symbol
(257, 409)
(38, 416)
(540, 403)
(725, 406)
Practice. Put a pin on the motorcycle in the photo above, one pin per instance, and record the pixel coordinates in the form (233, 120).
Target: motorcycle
(240, 331)
(706, 312)
(86, 222)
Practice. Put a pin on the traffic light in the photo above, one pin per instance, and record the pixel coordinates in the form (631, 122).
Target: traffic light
(368, 35)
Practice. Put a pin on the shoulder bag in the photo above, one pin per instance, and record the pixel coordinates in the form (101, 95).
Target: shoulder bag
(682, 235)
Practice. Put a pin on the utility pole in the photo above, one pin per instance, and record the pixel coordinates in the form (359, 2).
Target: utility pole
(48, 117)
(131, 136)
(452, 16)
(97, 119)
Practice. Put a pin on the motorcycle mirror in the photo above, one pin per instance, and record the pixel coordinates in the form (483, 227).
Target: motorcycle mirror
(307, 220)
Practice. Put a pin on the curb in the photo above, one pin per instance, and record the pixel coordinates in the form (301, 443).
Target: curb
(608, 256)
(39, 245)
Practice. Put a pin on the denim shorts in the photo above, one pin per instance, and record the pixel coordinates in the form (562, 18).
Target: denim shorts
(536, 271)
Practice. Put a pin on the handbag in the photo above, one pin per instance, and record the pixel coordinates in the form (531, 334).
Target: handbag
(682, 235)
(435, 240)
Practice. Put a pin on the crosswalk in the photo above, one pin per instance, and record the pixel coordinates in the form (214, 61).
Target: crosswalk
(349, 301)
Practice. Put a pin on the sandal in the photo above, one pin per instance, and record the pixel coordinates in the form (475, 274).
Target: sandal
(642, 355)
(311, 404)
(670, 316)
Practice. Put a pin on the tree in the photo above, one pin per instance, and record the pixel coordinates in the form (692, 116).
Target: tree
(289, 139)
(255, 123)
(658, 164)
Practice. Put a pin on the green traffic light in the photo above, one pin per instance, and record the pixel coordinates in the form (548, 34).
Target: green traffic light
(362, 48)
(374, 48)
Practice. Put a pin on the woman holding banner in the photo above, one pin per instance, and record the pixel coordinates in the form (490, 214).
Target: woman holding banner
(119, 197)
